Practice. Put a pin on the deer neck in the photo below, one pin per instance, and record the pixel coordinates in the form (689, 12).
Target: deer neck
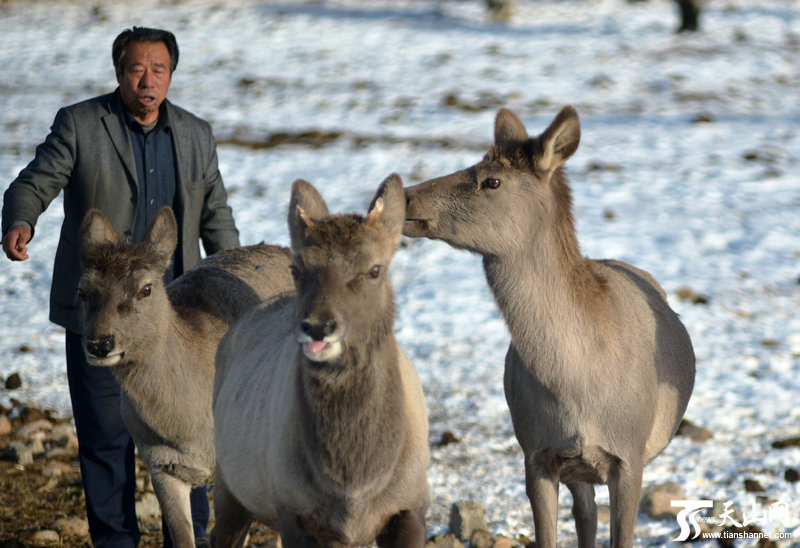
(547, 293)
(171, 366)
(352, 414)
(157, 357)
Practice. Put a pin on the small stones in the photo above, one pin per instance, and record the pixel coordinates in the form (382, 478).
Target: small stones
(447, 438)
(722, 507)
(13, 382)
(468, 525)
(484, 539)
(5, 425)
(26, 431)
(29, 414)
(526, 542)
(692, 296)
(656, 500)
(72, 527)
(19, 452)
(703, 118)
(788, 442)
(448, 540)
(465, 518)
(45, 537)
(753, 486)
(56, 469)
(36, 442)
(501, 542)
(63, 436)
(37, 435)
(480, 539)
(693, 432)
(147, 507)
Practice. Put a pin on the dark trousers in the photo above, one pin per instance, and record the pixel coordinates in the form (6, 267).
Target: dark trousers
(106, 455)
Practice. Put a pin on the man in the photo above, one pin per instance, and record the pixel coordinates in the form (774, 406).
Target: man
(127, 153)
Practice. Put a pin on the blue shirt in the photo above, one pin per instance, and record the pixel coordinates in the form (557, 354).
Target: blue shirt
(154, 156)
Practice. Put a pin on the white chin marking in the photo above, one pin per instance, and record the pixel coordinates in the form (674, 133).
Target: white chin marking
(108, 361)
(330, 352)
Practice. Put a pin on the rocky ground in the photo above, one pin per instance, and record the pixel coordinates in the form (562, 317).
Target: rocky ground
(41, 499)
(42, 502)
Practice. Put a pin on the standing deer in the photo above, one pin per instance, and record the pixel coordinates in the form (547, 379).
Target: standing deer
(160, 343)
(322, 427)
(599, 370)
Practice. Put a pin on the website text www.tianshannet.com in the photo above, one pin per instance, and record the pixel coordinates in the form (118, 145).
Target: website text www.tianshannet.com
(746, 535)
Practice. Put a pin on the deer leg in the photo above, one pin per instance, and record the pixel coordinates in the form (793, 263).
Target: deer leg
(624, 489)
(232, 520)
(405, 530)
(173, 496)
(584, 510)
(541, 486)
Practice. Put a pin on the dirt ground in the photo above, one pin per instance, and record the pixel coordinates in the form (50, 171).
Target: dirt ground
(31, 501)
(35, 496)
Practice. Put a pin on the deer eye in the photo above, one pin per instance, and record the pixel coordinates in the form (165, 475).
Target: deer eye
(294, 272)
(491, 182)
(145, 291)
(375, 271)
(81, 294)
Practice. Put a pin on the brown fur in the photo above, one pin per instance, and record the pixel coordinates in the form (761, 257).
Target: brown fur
(329, 445)
(600, 369)
(160, 343)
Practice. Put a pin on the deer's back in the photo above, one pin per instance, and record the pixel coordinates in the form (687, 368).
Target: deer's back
(265, 268)
(226, 284)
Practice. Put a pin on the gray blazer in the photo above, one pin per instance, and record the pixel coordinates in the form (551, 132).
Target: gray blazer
(89, 155)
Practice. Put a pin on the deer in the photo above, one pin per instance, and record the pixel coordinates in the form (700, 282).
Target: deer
(600, 369)
(159, 342)
(321, 420)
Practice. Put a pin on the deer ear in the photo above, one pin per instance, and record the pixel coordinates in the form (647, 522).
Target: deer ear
(305, 208)
(560, 140)
(509, 132)
(388, 207)
(162, 232)
(95, 230)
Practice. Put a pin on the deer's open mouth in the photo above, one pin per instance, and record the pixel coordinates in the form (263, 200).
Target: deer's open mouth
(105, 361)
(322, 351)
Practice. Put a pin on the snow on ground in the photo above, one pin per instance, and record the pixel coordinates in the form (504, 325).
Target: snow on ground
(688, 167)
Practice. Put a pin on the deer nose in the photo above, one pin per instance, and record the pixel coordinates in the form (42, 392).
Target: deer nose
(100, 347)
(318, 329)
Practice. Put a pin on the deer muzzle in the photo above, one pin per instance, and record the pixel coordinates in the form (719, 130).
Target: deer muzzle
(322, 339)
(102, 351)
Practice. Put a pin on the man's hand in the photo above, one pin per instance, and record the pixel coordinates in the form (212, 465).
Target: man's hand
(15, 243)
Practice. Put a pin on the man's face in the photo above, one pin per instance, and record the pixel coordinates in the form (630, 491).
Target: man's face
(144, 79)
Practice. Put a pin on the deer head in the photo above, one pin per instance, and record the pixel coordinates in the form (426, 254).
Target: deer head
(341, 270)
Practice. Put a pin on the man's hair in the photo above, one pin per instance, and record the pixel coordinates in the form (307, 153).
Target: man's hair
(143, 34)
